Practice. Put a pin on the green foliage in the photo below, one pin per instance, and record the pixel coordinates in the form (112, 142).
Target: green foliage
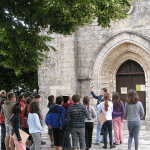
(21, 21)
(21, 46)
(25, 80)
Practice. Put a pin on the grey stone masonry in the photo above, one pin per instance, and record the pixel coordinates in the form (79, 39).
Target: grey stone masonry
(94, 54)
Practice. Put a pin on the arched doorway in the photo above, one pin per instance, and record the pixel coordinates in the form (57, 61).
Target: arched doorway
(130, 75)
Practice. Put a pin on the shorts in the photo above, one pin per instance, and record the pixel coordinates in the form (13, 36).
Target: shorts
(58, 136)
(27, 131)
(78, 133)
(8, 130)
(50, 131)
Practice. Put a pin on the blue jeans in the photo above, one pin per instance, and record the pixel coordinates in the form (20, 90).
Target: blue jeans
(3, 133)
(99, 127)
(107, 126)
(66, 141)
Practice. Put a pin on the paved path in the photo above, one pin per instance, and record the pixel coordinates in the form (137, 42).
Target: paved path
(144, 138)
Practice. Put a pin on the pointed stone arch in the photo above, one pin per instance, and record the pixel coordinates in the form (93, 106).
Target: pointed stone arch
(113, 53)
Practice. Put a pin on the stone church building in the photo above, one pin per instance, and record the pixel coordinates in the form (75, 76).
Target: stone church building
(117, 58)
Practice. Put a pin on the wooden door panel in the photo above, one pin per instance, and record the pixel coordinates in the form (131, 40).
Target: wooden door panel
(129, 75)
(140, 79)
(122, 81)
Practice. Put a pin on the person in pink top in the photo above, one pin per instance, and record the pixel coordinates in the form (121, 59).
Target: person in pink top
(70, 99)
(118, 118)
(22, 101)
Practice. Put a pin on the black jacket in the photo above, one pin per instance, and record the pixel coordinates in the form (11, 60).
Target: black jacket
(16, 124)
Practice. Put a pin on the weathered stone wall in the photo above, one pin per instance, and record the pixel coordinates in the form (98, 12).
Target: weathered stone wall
(94, 54)
(56, 75)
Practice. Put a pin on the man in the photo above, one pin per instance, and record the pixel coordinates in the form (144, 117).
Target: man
(100, 97)
(37, 96)
(7, 112)
(99, 126)
(34, 92)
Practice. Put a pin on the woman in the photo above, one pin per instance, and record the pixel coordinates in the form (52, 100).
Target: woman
(134, 112)
(89, 125)
(107, 108)
(118, 118)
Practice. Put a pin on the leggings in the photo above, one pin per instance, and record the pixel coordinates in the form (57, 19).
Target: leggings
(133, 127)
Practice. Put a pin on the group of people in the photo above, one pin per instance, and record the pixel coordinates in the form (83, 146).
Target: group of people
(67, 116)
(25, 115)
(114, 112)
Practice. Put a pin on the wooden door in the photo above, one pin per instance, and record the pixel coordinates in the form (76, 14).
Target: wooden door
(129, 75)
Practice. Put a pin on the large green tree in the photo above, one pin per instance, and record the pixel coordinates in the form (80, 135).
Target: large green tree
(21, 21)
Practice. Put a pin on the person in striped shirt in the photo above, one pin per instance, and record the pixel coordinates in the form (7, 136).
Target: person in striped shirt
(75, 115)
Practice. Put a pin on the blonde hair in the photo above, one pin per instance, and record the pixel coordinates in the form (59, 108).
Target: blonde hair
(2, 92)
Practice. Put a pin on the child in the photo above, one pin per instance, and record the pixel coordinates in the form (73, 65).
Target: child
(56, 121)
(35, 128)
(76, 113)
(2, 124)
(16, 125)
(66, 142)
(51, 103)
(24, 116)
(37, 96)
(22, 101)
(89, 125)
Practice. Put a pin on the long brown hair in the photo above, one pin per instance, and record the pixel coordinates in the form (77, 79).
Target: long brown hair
(106, 98)
(116, 100)
(86, 101)
(132, 97)
(28, 101)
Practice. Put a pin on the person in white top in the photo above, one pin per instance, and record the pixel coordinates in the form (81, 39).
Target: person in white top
(107, 108)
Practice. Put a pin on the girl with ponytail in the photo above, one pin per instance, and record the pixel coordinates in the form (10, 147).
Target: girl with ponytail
(107, 108)
(89, 125)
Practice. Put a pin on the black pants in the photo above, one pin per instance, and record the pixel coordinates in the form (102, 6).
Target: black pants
(88, 134)
(108, 125)
(3, 133)
(58, 136)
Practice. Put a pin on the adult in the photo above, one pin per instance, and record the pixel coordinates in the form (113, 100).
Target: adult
(134, 111)
(99, 126)
(89, 125)
(118, 118)
(100, 97)
(107, 108)
(34, 92)
(7, 112)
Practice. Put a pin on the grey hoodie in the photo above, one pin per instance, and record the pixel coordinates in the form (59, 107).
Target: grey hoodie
(7, 111)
